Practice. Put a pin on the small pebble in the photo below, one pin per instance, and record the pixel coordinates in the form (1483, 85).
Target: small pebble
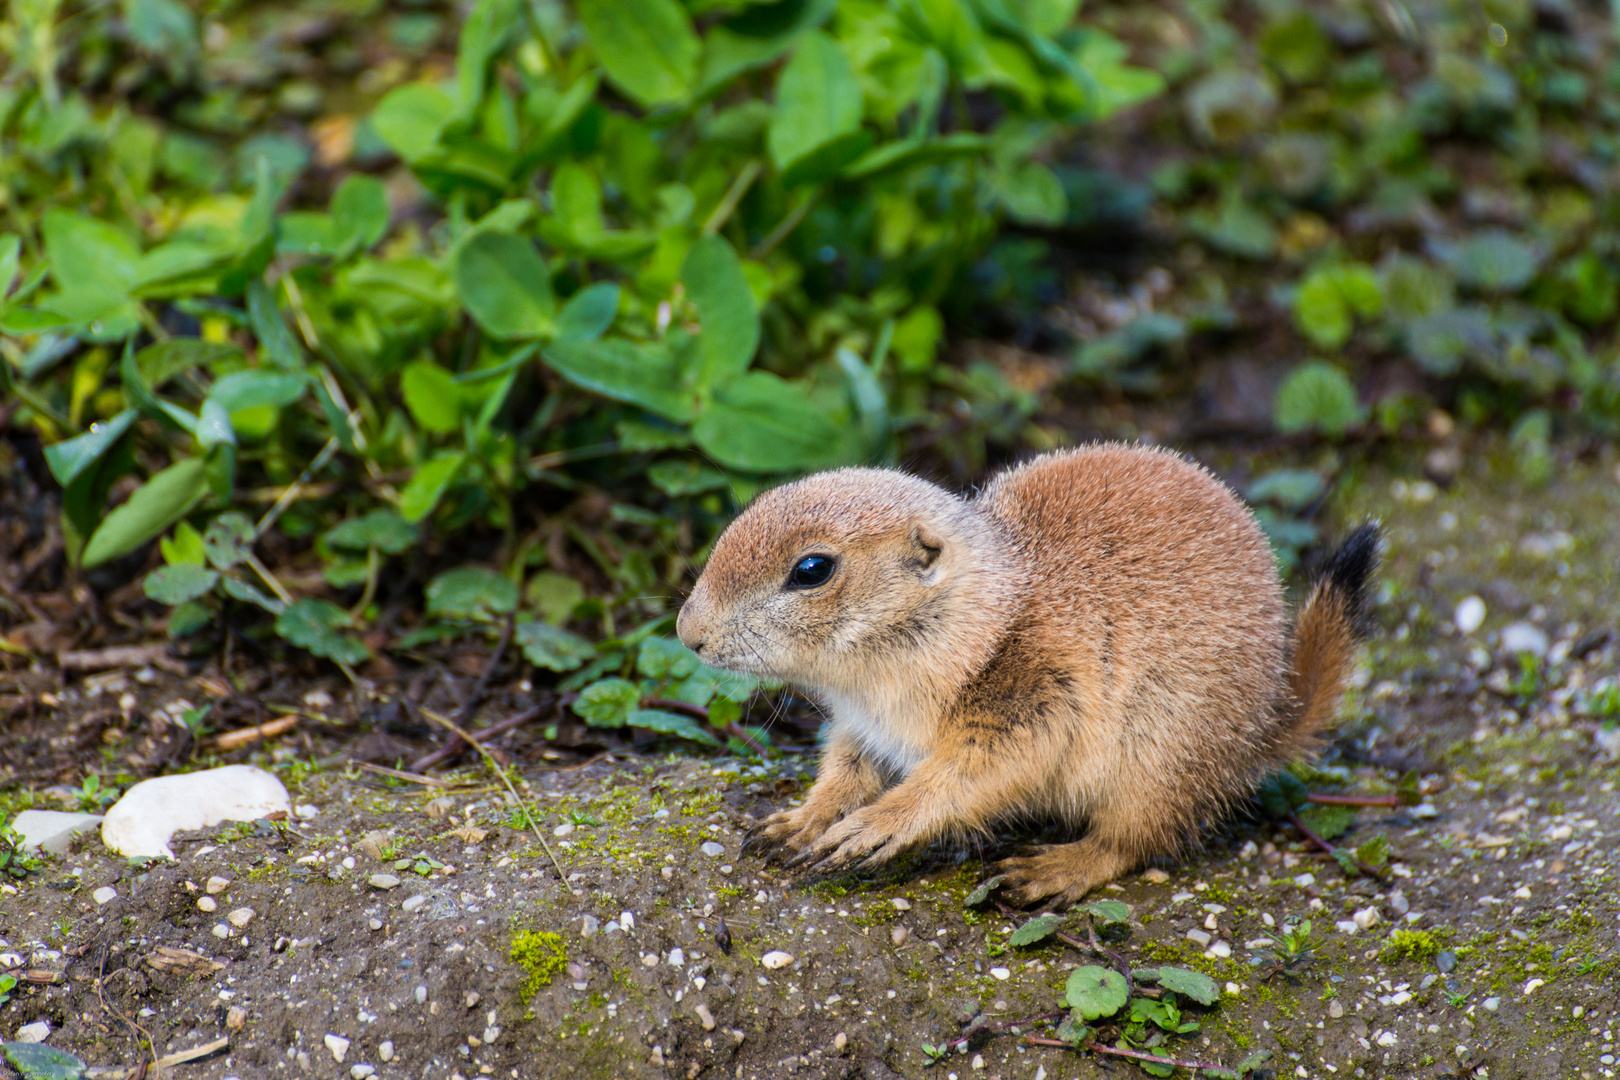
(589, 925)
(235, 1017)
(563, 830)
(216, 885)
(627, 920)
(898, 935)
(1522, 637)
(375, 924)
(677, 958)
(901, 903)
(207, 903)
(712, 849)
(978, 1061)
(1445, 960)
(1470, 614)
(338, 1045)
(386, 1050)
(241, 917)
(1366, 918)
(421, 995)
(414, 902)
(776, 958)
(705, 1017)
(1492, 1004)
(1220, 949)
(840, 1041)
(1154, 876)
(222, 931)
(37, 1032)
(1335, 1009)
(105, 894)
(1000, 973)
(383, 881)
(362, 1072)
(1198, 937)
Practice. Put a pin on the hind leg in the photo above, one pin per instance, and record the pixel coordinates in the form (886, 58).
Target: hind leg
(1117, 842)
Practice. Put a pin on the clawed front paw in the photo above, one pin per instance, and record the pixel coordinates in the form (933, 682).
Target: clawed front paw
(784, 834)
(862, 838)
(1033, 879)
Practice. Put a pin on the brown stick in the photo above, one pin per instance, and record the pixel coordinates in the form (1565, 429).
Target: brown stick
(1134, 1055)
(401, 774)
(1354, 800)
(119, 656)
(233, 739)
(456, 745)
(991, 1029)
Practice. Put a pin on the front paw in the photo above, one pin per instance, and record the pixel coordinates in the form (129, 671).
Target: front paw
(864, 837)
(788, 831)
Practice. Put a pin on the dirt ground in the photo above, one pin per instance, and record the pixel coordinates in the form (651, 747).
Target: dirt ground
(469, 956)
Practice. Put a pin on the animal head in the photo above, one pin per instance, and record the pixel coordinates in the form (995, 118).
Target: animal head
(823, 579)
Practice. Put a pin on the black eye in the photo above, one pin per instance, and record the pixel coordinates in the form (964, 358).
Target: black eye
(810, 571)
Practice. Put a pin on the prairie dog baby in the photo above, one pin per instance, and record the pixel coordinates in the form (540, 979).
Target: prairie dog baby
(1098, 637)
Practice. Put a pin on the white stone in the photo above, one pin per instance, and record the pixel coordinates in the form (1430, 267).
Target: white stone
(627, 920)
(677, 957)
(414, 902)
(1220, 950)
(1001, 974)
(1366, 918)
(338, 1045)
(37, 1032)
(386, 1050)
(1155, 876)
(901, 903)
(241, 917)
(1305, 881)
(1386, 1039)
(362, 1072)
(383, 881)
(216, 885)
(978, 1061)
(1198, 937)
(1346, 926)
(565, 829)
(140, 824)
(1398, 903)
(307, 811)
(51, 831)
(776, 958)
(1530, 987)
(589, 925)
(898, 935)
(1470, 614)
(1492, 1004)
(712, 849)
(105, 894)
(705, 1017)
(207, 903)
(1522, 637)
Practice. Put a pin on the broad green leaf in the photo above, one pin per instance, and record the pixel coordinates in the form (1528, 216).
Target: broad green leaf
(762, 423)
(237, 589)
(505, 285)
(1328, 822)
(587, 314)
(714, 279)
(1037, 929)
(184, 547)
(672, 724)
(163, 361)
(664, 658)
(36, 1061)
(554, 595)
(214, 425)
(826, 160)
(470, 592)
(1330, 296)
(632, 372)
(432, 396)
(1318, 395)
(919, 150)
(758, 35)
(153, 507)
(411, 118)
(1281, 793)
(428, 485)
(87, 255)
(982, 891)
(176, 584)
(10, 246)
(25, 322)
(1292, 489)
(817, 100)
(1374, 852)
(607, 702)
(1044, 16)
(1108, 911)
(275, 340)
(684, 477)
(1032, 194)
(256, 389)
(69, 458)
(648, 47)
(1440, 342)
(576, 201)
(188, 618)
(481, 35)
(552, 647)
(1096, 992)
(383, 529)
(228, 539)
(315, 625)
(1190, 984)
(1492, 260)
(359, 214)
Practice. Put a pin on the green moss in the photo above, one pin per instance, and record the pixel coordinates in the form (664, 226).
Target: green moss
(541, 955)
(1411, 945)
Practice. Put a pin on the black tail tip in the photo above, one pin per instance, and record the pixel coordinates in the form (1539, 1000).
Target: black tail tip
(1351, 568)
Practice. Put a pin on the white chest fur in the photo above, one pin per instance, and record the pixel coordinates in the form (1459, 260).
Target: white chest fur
(888, 732)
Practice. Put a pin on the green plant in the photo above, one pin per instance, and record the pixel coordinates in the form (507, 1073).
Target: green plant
(1410, 945)
(15, 861)
(1291, 950)
(8, 983)
(91, 797)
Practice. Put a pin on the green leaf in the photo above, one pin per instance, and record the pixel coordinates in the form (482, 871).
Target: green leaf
(1374, 852)
(1492, 260)
(237, 589)
(648, 47)
(1281, 793)
(757, 35)
(188, 618)
(470, 592)
(186, 546)
(1328, 822)
(607, 702)
(383, 529)
(664, 658)
(1096, 992)
(1032, 194)
(552, 647)
(982, 891)
(1292, 489)
(256, 389)
(587, 314)
(359, 214)
(432, 397)
(505, 285)
(228, 540)
(176, 584)
(1037, 929)
(153, 507)
(1107, 911)
(684, 477)
(411, 117)
(714, 279)
(1330, 296)
(902, 154)
(672, 724)
(554, 595)
(817, 100)
(36, 1061)
(275, 340)
(1190, 984)
(89, 256)
(762, 423)
(10, 247)
(632, 372)
(314, 625)
(1318, 395)
(69, 458)
(428, 485)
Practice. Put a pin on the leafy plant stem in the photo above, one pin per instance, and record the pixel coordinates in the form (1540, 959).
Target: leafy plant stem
(1294, 820)
(373, 564)
(1114, 1051)
(489, 759)
(293, 490)
(1354, 800)
(732, 729)
(1003, 1025)
(268, 578)
(784, 228)
(306, 328)
(728, 204)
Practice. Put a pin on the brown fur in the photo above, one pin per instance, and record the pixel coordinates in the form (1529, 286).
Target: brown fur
(1098, 638)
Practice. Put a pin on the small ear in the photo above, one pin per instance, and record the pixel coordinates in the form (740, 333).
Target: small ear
(926, 546)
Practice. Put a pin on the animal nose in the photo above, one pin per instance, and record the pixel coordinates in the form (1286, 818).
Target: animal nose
(691, 630)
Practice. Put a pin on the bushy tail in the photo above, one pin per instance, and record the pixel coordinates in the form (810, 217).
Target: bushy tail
(1332, 623)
